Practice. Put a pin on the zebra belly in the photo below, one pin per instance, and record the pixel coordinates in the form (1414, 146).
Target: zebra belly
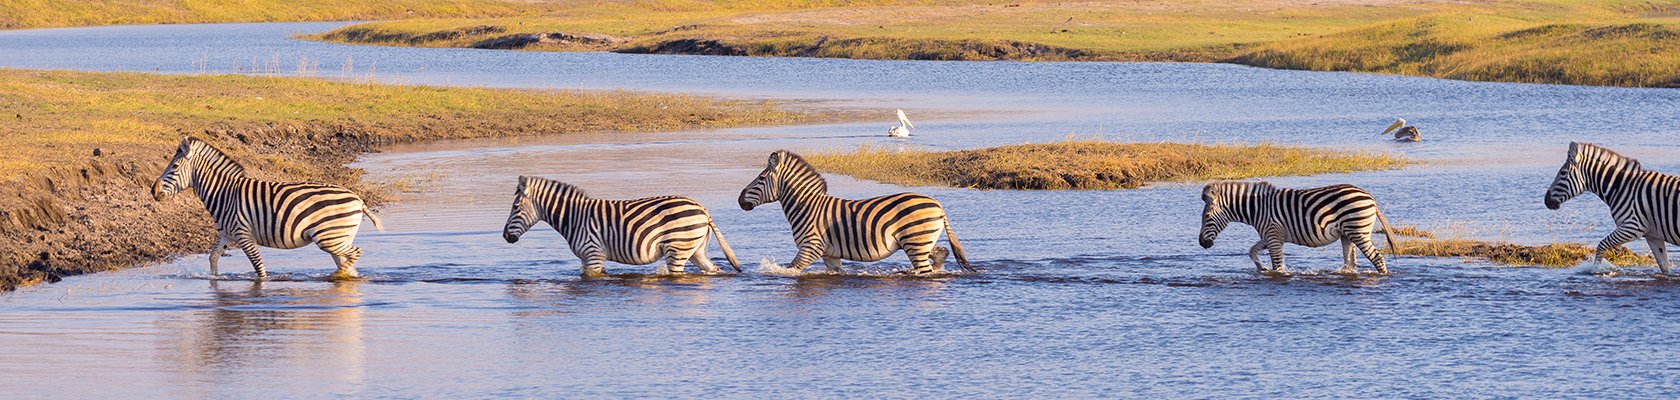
(1317, 238)
(864, 256)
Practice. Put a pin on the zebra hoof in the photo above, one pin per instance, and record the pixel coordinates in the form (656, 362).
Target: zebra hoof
(343, 276)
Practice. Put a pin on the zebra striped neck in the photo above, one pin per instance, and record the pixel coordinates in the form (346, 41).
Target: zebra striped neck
(1604, 169)
(1242, 200)
(212, 170)
(800, 183)
(552, 197)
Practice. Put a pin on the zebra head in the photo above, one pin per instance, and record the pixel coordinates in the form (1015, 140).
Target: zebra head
(178, 174)
(1223, 202)
(1214, 215)
(1587, 169)
(524, 212)
(763, 189)
(787, 177)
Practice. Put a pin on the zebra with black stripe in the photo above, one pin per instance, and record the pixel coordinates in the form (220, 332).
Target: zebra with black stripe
(249, 212)
(831, 228)
(1309, 217)
(636, 232)
(1643, 203)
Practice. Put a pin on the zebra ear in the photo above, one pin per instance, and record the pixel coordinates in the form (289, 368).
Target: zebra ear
(776, 158)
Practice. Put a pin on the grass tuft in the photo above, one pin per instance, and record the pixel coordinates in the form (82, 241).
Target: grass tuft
(1078, 164)
(1427, 244)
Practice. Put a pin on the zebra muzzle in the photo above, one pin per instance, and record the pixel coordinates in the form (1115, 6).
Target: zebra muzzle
(157, 191)
(511, 238)
(1206, 244)
(745, 206)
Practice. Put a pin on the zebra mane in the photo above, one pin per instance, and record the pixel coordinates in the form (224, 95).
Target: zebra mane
(562, 188)
(799, 165)
(213, 153)
(1594, 153)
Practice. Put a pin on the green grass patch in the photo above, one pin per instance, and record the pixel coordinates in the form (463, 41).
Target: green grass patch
(1092, 164)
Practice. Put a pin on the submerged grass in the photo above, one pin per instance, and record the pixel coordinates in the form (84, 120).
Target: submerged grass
(1092, 164)
(1610, 42)
(1425, 243)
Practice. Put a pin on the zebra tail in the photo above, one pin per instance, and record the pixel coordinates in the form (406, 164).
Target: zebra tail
(956, 247)
(1388, 230)
(371, 217)
(724, 244)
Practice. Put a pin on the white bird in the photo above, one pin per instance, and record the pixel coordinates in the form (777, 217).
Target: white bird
(903, 128)
(1406, 134)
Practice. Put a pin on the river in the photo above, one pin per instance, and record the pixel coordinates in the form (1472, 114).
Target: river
(1082, 294)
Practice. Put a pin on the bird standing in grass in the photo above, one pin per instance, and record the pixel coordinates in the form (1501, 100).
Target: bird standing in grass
(1406, 133)
(903, 128)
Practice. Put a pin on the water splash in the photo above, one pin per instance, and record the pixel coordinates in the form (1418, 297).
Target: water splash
(770, 266)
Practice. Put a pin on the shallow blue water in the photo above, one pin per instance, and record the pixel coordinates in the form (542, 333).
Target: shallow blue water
(1085, 293)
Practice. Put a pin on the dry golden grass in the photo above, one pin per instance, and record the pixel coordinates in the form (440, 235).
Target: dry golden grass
(51, 117)
(1424, 243)
(1092, 164)
(1597, 42)
(1194, 30)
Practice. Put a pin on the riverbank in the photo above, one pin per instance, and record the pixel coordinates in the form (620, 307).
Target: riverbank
(1091, 164)
(1546, 41)
(84, 147)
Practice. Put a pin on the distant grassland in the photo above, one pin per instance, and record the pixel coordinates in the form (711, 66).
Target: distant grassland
(16, 14)
(1611, 42)
(1092, 164)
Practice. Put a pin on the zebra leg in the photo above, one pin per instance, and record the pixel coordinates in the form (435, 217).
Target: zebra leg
(676, 261)
(1363, 242)
(700, 260)
(346, 264)
(1274, 245)
(808, 253)
(1622, 235)
(920, 259)
(594, 266)
(250, 247)
(1659, 251)
(1348, 265)
(833, 264)
(1254, 254)
(217, 251)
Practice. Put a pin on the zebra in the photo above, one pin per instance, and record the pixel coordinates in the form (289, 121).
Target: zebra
(832, 229)
(637, 232)
(1309, 217)
(249, 212)
(1642, 202)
